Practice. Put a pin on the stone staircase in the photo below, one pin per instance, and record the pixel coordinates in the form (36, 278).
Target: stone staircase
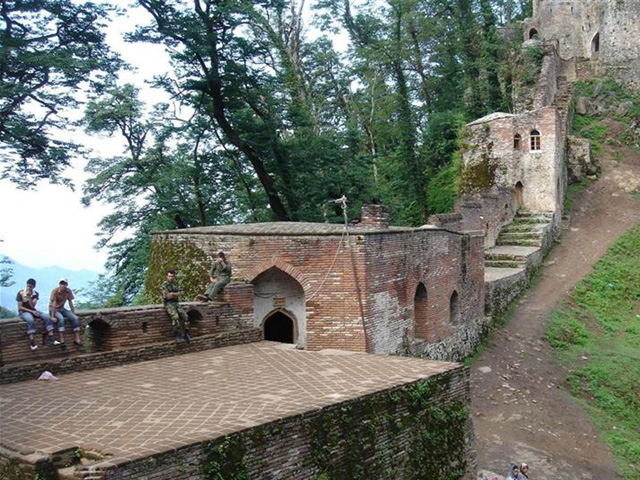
(526, 230)
(519, 249)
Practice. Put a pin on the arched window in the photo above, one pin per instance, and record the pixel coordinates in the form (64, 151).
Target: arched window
(535, 140)
(420, 309)
(533, 33)
(595, 43)
(517, 142)
(453, 308)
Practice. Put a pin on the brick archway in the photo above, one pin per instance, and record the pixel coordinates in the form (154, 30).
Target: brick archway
(281, 265)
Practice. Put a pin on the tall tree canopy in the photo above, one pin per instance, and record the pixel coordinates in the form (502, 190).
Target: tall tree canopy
(275, 121)
(48, 50)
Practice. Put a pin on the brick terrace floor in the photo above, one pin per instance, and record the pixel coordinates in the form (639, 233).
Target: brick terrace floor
(137, 410)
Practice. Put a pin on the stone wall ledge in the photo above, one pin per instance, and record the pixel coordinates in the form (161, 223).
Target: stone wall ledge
(90, 361)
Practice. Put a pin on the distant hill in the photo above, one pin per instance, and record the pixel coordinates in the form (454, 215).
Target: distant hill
(46, 278)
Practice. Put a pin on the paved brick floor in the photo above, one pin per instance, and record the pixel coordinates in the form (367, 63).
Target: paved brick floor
(137, 410)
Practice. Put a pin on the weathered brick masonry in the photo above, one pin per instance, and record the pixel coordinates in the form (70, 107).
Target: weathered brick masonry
(303, 447)
(357, 288)
(120, 328)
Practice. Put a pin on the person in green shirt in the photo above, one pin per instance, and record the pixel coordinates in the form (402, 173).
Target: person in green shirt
(220, 276)
(170, 294)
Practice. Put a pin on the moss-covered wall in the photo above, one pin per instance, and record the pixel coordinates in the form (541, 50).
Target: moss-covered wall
(410, 433)
(190, 263)
(478, 176)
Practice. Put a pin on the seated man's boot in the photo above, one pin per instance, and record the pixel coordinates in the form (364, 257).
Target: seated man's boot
(187, 337)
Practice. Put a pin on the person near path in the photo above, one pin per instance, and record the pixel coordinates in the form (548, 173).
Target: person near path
(220, 276)
(524, 472)
(27, 300)
(513, 474)
(170, 298)
(59, 297)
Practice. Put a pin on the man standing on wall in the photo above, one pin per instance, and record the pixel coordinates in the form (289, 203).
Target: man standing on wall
(59, 297)
(220, 276)
(170, 294)
(27, 300)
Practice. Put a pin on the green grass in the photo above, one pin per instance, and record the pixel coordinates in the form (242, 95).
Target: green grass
(601, 323)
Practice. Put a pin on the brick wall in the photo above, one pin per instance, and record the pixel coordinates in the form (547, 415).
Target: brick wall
(296, 447)
(17, 372)
(443, 262)
(359, 289)
(130, 326)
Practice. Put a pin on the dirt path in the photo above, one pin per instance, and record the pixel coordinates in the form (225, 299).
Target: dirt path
(521, 411)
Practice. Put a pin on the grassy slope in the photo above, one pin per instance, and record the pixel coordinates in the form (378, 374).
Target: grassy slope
(597, 332)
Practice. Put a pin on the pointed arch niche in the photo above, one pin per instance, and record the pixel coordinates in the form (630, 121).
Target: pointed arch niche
(279, 307)
(421, 312)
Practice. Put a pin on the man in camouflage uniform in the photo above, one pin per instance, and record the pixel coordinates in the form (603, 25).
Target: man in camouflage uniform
(170, 294)
(220, 276)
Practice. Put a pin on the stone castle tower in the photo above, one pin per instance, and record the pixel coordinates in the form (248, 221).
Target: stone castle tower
(605, 31)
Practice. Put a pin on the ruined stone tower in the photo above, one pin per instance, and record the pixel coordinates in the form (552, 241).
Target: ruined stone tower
(607, 32)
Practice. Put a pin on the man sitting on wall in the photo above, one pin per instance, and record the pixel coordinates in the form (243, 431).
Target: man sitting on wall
(59, 297)
(170, 294)
(27, 300)
(220, 276)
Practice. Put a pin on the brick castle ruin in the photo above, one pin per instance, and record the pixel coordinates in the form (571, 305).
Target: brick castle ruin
(279, 381)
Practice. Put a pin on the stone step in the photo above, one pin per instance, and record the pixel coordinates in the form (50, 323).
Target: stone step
(519, 243)
(503, 257)
(528, 214)
(521, 235)
(504, 263)
(524, 227)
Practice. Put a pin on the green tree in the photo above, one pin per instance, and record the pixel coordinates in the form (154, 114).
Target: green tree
(169, 176)
(49, 49)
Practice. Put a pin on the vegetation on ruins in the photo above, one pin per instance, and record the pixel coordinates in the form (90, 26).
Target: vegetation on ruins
(276, 107)
(597, 332)
(344, 446)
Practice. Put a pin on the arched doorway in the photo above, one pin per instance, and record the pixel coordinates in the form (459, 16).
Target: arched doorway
(277, 294)
(279, 327)
(420, 311)
(533, 33)
(595, 43)
(519, 190)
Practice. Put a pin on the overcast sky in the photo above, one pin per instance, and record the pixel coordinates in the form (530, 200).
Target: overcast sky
(48, 225)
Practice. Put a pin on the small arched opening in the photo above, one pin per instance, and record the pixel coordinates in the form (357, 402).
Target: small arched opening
(533, 33)
(420, 312)
(195, 320)
(517, 142)
(518, 191)
(453, 309)
(98, 333)
(595, 43)
(536, 143)
(279, 327)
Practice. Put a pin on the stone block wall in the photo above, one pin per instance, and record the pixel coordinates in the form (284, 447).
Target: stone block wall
(418, 430)
(575, 25)
(490, 159)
